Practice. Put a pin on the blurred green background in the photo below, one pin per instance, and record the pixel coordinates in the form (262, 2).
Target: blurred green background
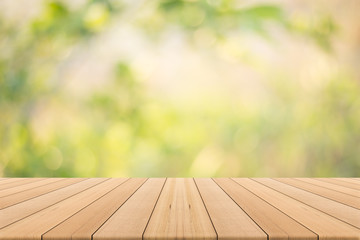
(179, 88)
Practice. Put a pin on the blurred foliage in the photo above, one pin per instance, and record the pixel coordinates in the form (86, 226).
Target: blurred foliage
(121, 131)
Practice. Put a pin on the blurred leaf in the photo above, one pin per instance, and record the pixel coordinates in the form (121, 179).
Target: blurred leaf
(261, 12)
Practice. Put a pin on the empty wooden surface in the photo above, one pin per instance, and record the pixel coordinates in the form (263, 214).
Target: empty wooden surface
(179, 208)
(180, 213)
(311, 186)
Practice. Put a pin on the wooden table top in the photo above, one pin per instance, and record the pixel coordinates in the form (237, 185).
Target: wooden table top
(179, 208)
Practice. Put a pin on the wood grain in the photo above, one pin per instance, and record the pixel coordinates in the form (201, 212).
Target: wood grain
(332, 186)
(325, 192)
(8, 180)
(275, 223)
(82, 225)
(179, 208)
(18, 182)
(345, 182)
(325, 226)
(180, 213)
(230, 221)
(40, 222)
(35, 192)
(130, 220)
(24, 187)
(333, 208)
(19, 211)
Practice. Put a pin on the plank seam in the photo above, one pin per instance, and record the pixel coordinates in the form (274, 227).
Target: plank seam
(321, 195)
(45, 193)
(61, 179)
(343, 181)
(82, 208)
(348, 180)
(308, 204)
(6, 181)
(217, 237)
(142, 235)
(92, 235)
(314, 184)
(274, 206)
(242, 209)
(21, 180)
(52, 204)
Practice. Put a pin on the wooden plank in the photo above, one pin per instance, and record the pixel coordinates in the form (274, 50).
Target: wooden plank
(229, 220)
(130, 220)
(332, 186)
(275, 223)
(328, 193)
(18, 181)
(180, 213)
(325, 226)
(33, 226)
(10, 191)
(335, 209)
(35, 192)
(353, 180)
(119, 209)
(9, 180)
(19, 211)
(2, 179)
(83, 224)
(345, 182)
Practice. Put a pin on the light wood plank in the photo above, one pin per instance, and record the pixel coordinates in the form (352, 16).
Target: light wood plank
(329, 184)
(35, 192)
(345, 182)
(121, 209)
(10, 180)
(333, 208)
(33, 226)
(180, 213)
(275, 223)
(3, 179)
(352, 180)
(19, 211)
(325, 192)
(18, 181)
(130, 220)
(229, 220)
(10, 191)
(83, 224)
(320, 223)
